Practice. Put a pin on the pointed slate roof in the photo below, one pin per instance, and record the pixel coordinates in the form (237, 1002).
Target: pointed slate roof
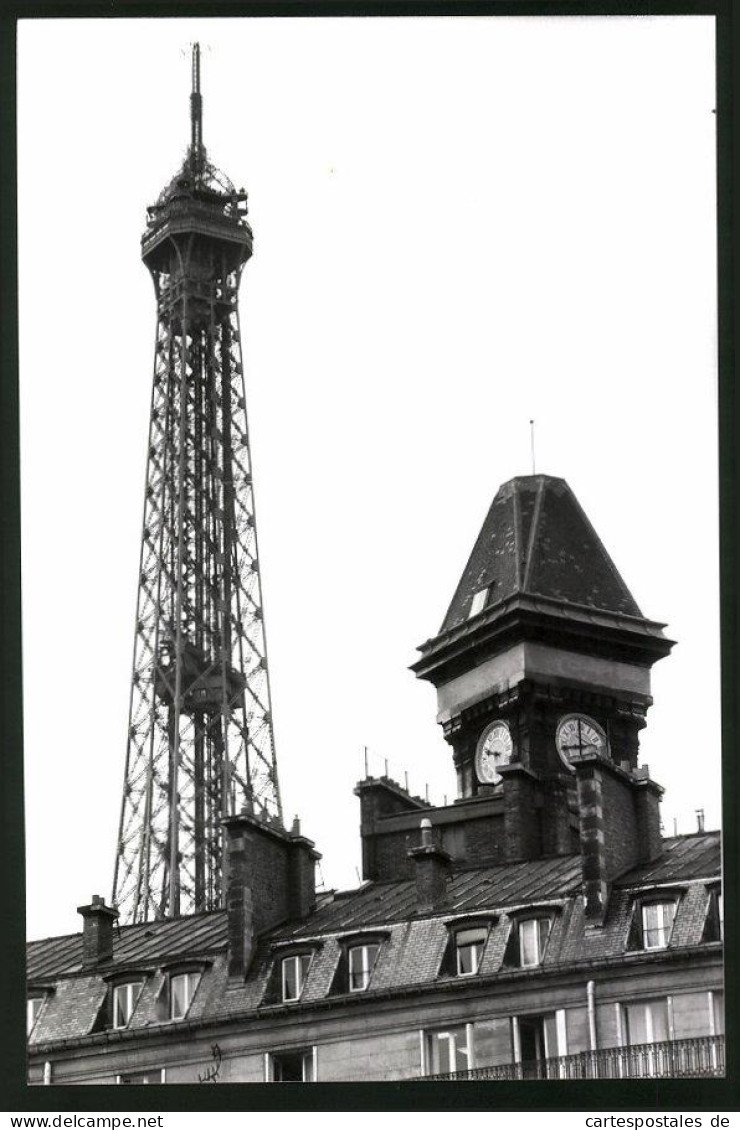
(536, 540)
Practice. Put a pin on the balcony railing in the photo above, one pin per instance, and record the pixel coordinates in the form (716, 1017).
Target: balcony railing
(672, 1059)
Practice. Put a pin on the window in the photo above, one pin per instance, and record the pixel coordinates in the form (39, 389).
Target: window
(124, 1001)
(714, 921)
(293, 978)
(291, 1067)
(182, 991)
(646, 1022)
(478, 602)
(533, 935)
(358, 957)
(469, 950)
(656, 919)
(33, 1007)
(449, 1049)
(536, 1044)
(361, 964)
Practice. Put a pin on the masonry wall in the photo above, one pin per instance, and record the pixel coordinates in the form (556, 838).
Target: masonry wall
(621, 839)
(385, 852)
(381, 1040)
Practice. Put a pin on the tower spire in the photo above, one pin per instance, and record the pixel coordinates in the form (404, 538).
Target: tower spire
(196, 112)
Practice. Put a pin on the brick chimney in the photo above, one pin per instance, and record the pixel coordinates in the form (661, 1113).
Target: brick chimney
(523, 833)
(270, 878)
(431, 869)
(619, 825)
(97, 932)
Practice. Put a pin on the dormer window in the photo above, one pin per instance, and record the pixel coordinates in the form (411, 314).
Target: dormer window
(657, 923)
(469, 951)
(528, 940)
(33, 1008)
(182, 991)
(533, 935)
(652, 922)
(358, 958)
(466, 945)
(288, 971)
(361, 964)
(125, 997)
(478, 603)
(714, 921)
(294, 970)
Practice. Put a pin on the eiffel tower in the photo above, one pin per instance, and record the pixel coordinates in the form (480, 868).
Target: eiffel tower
(200, 738)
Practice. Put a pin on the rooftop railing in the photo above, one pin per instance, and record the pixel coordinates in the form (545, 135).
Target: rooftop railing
(670, 1059)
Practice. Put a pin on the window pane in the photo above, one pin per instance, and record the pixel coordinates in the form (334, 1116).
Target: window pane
(180, 994)
(658, 1020)
(33, 1006)
(469, 949)
(528, 942)
(356, 976)
(361, 962)
(543, 933)
(467, 959)
(646, 1022)
(478, 602)
(291, 988)
(462, 1058)
(123, 1004)
(308, 1067)
(657, 922)
(448, 1050)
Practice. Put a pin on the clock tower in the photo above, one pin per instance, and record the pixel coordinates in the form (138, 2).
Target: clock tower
(542, 666)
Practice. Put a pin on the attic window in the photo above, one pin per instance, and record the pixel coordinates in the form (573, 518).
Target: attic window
(33, 1008)
(652, 923)
(361, 964)
(358, 957)
(469, 946)
(533, 935)
(125, 997)
(466, 944)
(478, 602)
(294, 970)
(182, 990)
(528, 939)
(714, 921)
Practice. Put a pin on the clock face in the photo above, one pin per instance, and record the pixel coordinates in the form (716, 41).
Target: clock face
(576, 734)
(494, 749)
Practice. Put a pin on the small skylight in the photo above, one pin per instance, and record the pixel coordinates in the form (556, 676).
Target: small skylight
(478, 602)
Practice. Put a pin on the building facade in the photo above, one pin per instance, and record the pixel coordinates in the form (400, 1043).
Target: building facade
(538, 927)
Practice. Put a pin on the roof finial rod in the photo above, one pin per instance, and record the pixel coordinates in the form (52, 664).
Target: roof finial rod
(196, 111)
(531, 436)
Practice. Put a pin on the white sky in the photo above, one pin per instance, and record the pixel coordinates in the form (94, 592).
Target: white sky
(459, 224)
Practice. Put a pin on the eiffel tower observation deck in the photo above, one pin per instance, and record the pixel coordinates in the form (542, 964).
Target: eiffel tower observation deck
(200, 738)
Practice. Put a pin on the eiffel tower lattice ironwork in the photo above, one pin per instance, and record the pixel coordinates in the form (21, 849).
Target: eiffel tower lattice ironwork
(200, 738)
